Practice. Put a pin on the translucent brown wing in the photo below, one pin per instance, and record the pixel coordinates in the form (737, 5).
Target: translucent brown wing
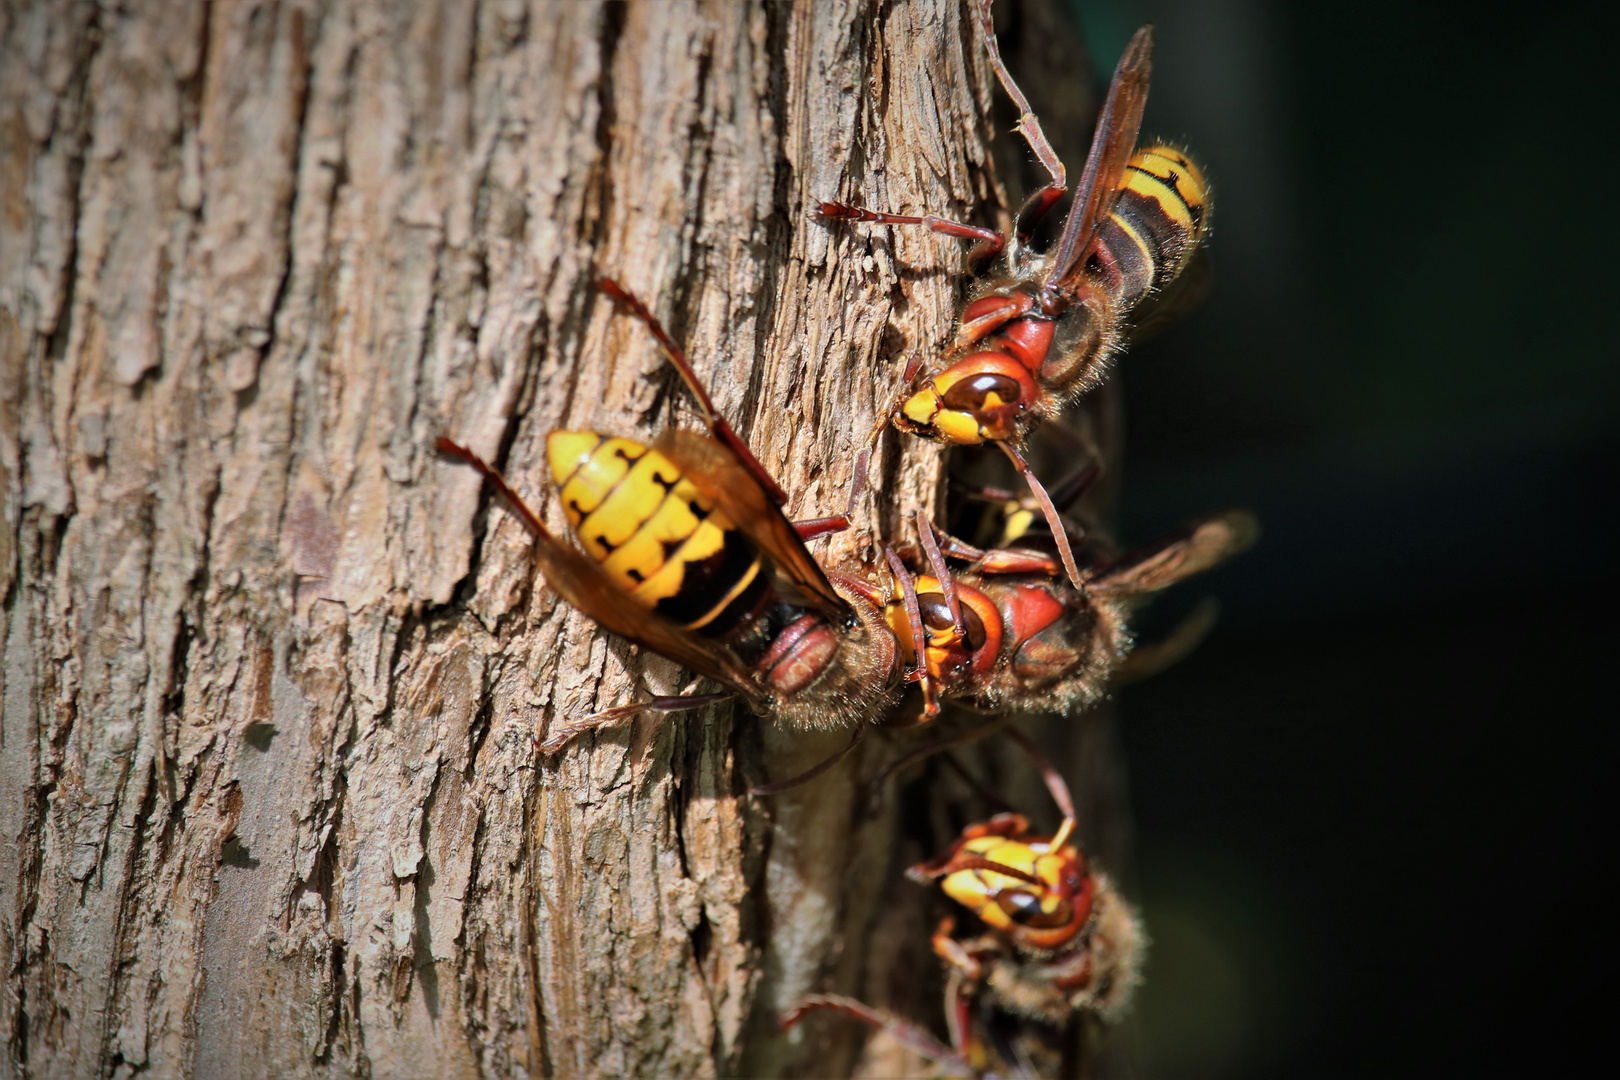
(1195, 547)
(1150, 658)
(1112, 144)
(1163, 309)
(733, 487)
(585, 585)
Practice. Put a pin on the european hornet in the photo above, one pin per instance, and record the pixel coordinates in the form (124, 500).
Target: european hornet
(687, 553)
(1009, 633)
(1059, 938)
(1040, 332)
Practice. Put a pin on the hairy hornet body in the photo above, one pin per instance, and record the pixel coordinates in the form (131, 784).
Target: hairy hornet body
(662, 534)
(1029, 640)
(1041, 332)
(686, 552)
(1058, 938)
(1023, 351)
(952, 662)
(1060, 644)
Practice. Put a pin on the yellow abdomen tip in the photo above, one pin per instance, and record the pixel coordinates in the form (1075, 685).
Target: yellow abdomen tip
(568, 451)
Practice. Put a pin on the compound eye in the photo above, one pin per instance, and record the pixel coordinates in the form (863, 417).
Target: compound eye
(1020, 905)
(974, 627)
(936, 613)
(1024, 908)
(972, 393)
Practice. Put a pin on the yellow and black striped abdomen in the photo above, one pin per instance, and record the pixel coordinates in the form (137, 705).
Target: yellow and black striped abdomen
(657, 537)
(1157, 221)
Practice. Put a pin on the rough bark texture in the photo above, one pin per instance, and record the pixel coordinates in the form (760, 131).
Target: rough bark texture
(274, 674)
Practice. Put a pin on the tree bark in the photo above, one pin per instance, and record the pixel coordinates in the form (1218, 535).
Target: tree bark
(275, 675)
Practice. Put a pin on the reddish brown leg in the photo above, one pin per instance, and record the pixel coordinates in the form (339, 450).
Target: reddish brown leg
(863, 464)
(997, 560)
(1053, 519)
(811, 773)
(718, 425)
(982, 325)
(990, 242)
(951, 951)
(565, 734)
(985, 795)
(863, 460)
(982, 494)
(959, 1015)
(959, 549)
(1029, 126)
(814, 527)
(497, 481)
(936, 563)
(919, 639)
(1064, 492)
(922, 753)
(1054, 783)
(1002, 561)
(871, 590)
(1034, 211)
(902, 1031)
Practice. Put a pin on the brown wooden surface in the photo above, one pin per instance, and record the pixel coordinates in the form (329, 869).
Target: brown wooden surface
(274, 674)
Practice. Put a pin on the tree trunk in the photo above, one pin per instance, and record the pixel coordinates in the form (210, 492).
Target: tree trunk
(275, 675)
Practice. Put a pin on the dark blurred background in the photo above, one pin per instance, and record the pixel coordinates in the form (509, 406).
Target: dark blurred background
(1369, 838)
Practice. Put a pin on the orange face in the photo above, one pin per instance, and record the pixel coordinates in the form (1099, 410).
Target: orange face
(954, 662)
(1043, 903)
(983, 397)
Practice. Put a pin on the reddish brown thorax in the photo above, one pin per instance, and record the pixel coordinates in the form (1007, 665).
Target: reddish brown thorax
(1004, 323)
(1037, 625)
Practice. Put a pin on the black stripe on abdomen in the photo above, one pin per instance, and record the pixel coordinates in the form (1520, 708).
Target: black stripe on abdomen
(706, 582)
(1132, 259)
(1165, 237)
